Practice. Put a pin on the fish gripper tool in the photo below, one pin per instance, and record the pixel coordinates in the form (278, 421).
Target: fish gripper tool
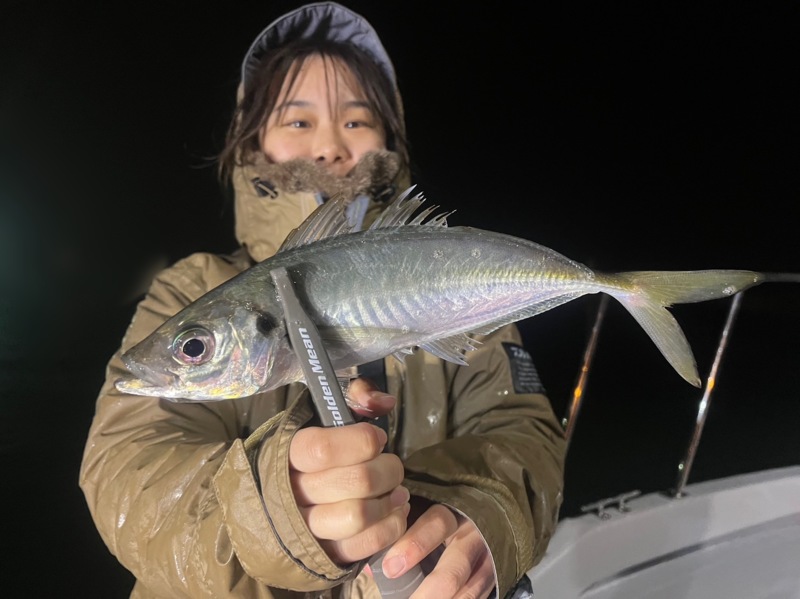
(331, 406)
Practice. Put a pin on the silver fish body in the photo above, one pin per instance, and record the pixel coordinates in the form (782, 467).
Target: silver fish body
(401, 284)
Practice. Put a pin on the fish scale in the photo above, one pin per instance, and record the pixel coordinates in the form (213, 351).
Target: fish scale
(455, 293)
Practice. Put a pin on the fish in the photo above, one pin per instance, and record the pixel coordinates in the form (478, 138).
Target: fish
(407, 281)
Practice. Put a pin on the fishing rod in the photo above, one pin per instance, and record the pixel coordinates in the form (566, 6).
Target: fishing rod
(331, 407)
(580, 386)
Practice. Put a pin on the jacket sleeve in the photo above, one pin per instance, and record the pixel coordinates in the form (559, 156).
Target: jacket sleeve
(171, 486)
(502, 464)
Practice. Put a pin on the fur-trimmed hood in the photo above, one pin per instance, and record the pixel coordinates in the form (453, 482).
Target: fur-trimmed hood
(273, 199)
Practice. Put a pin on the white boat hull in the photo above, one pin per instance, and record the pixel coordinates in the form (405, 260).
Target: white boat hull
(737, 537)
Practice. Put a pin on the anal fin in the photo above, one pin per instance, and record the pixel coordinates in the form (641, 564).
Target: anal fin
(451, 349)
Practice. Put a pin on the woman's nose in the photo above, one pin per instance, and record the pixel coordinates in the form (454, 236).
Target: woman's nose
(329, 146)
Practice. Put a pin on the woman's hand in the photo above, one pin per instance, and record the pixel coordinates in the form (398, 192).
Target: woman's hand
(465, 566)
(349, 492)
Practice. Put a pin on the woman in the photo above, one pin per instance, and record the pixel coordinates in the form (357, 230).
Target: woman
(249, 498)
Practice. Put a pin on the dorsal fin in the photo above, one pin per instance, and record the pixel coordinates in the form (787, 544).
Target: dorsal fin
(400, 210)
(328, 220)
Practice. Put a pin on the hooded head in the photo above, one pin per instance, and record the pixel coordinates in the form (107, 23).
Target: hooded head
(317, 22)
(273, 198)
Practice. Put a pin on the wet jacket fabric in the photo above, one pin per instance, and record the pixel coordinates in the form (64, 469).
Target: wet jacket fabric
(194, 497)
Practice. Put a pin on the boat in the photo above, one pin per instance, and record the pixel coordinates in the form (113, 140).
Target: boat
(735, 537)
(732, 537)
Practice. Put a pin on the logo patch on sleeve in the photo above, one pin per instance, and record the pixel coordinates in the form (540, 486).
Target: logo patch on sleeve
(523, 372)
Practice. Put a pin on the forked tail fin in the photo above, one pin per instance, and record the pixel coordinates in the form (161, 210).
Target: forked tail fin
(647, 294)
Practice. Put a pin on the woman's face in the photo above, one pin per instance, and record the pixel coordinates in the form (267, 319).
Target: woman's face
(324, 117)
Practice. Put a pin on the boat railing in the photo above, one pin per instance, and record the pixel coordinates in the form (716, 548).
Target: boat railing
(579, 392)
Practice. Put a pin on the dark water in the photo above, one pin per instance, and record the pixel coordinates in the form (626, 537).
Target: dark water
(643, 138)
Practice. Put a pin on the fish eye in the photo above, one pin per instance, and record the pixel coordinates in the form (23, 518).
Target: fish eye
(193, 346)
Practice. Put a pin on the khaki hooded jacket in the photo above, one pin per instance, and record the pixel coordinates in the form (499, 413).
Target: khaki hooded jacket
(194, 498)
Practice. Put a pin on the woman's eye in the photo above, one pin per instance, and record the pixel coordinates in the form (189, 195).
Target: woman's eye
(194, 346)
(298, 124)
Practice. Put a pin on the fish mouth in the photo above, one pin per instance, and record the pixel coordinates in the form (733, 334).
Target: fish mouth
(135, 386)
(145, 381)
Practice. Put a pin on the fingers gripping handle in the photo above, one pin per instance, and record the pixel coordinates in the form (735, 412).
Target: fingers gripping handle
(331, 407)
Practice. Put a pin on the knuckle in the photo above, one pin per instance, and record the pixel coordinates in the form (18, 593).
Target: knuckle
(310, 450)
(353, 518)
(320, 450)
(338, 522)
(371, 438)
(358, 479)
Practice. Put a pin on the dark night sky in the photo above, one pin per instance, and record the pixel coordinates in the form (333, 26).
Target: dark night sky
(658, 135)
